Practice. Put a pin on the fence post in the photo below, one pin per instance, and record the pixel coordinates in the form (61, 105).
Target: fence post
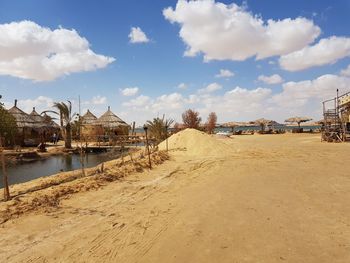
(149, 156)
(4, 172)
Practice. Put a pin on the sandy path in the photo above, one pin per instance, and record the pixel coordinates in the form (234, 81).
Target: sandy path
(272, 199)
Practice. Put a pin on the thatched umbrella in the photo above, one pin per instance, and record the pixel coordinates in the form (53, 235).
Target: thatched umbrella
(233, 124)
(298, 120)
(263, 123)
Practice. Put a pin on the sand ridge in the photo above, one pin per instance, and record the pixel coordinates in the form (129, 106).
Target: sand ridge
(196, 143)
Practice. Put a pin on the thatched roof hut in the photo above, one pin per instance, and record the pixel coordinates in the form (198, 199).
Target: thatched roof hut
(23, 119)
(110, 121)
(39, 121)
(89, 118)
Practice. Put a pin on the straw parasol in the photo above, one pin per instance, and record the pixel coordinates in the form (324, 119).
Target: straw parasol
(298, 120)
(263, 123)
(232, 124)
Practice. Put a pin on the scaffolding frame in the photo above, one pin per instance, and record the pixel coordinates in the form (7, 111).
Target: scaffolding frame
(334, 126)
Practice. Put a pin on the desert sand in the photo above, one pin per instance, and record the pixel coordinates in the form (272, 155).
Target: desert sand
(250, 198)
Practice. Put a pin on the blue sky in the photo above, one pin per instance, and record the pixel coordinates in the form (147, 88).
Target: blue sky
(158, 66)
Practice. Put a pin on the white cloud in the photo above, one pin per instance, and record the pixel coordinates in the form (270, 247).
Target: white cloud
(137, 36)
(273, 79)
(99, 100)
(130, 91)
(271, 62)
(345, 72)
(40, 103)
(238, 33)
(304, 95)
(140, 101)
(30, 51)
(171, 101)
(225, 73)
(326, 51)
(242, 104)
(210, 88)
(182, 86)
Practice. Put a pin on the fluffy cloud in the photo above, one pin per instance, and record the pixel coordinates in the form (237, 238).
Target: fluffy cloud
(99, 100)
(307, 95)
(230, 32)
(130, 91)
(242, 104)
(273, 79)
(30, 51)
(210, 88)
(182, 86)
(137, 36)
(41, 103)
(345, 72)
(326, 51)
(140, 101)
(225, 73)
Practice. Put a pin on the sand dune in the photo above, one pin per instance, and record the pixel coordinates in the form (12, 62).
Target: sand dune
(259, 198)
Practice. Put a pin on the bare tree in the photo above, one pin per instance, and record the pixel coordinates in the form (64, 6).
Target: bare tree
(191, 119)
(211, 122)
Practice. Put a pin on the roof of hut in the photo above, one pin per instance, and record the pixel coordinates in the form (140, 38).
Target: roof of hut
(39, 121)
(89, 118)
(48, 120)
(22, 119)
(110, 120)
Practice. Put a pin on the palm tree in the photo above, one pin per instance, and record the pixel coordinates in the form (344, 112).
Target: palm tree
(158, 128)
(66, 119)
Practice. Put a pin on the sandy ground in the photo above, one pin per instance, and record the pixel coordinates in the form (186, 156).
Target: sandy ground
(258, 198)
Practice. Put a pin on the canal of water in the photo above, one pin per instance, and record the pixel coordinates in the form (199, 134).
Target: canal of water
(26, 171)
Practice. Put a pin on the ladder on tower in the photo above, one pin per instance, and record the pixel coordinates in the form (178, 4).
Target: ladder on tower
(333, 130)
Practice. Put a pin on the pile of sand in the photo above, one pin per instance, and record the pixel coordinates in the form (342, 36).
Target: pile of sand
(194, 142)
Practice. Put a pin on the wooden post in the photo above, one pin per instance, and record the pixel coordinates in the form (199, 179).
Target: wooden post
(4, 172)
(166, 136)
(149, 155)
(133, 129)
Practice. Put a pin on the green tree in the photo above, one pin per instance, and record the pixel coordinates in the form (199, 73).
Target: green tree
(158, 128)
(8, 127)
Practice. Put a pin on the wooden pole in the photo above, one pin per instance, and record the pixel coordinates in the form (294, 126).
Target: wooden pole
(149, 155)
(166, 135)
(4, 173)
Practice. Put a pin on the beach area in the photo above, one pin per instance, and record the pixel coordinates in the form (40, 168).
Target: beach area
(248, 198)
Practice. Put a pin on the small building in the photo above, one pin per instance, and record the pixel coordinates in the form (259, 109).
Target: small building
(44, 125)
(28, 134)
(90, 129)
